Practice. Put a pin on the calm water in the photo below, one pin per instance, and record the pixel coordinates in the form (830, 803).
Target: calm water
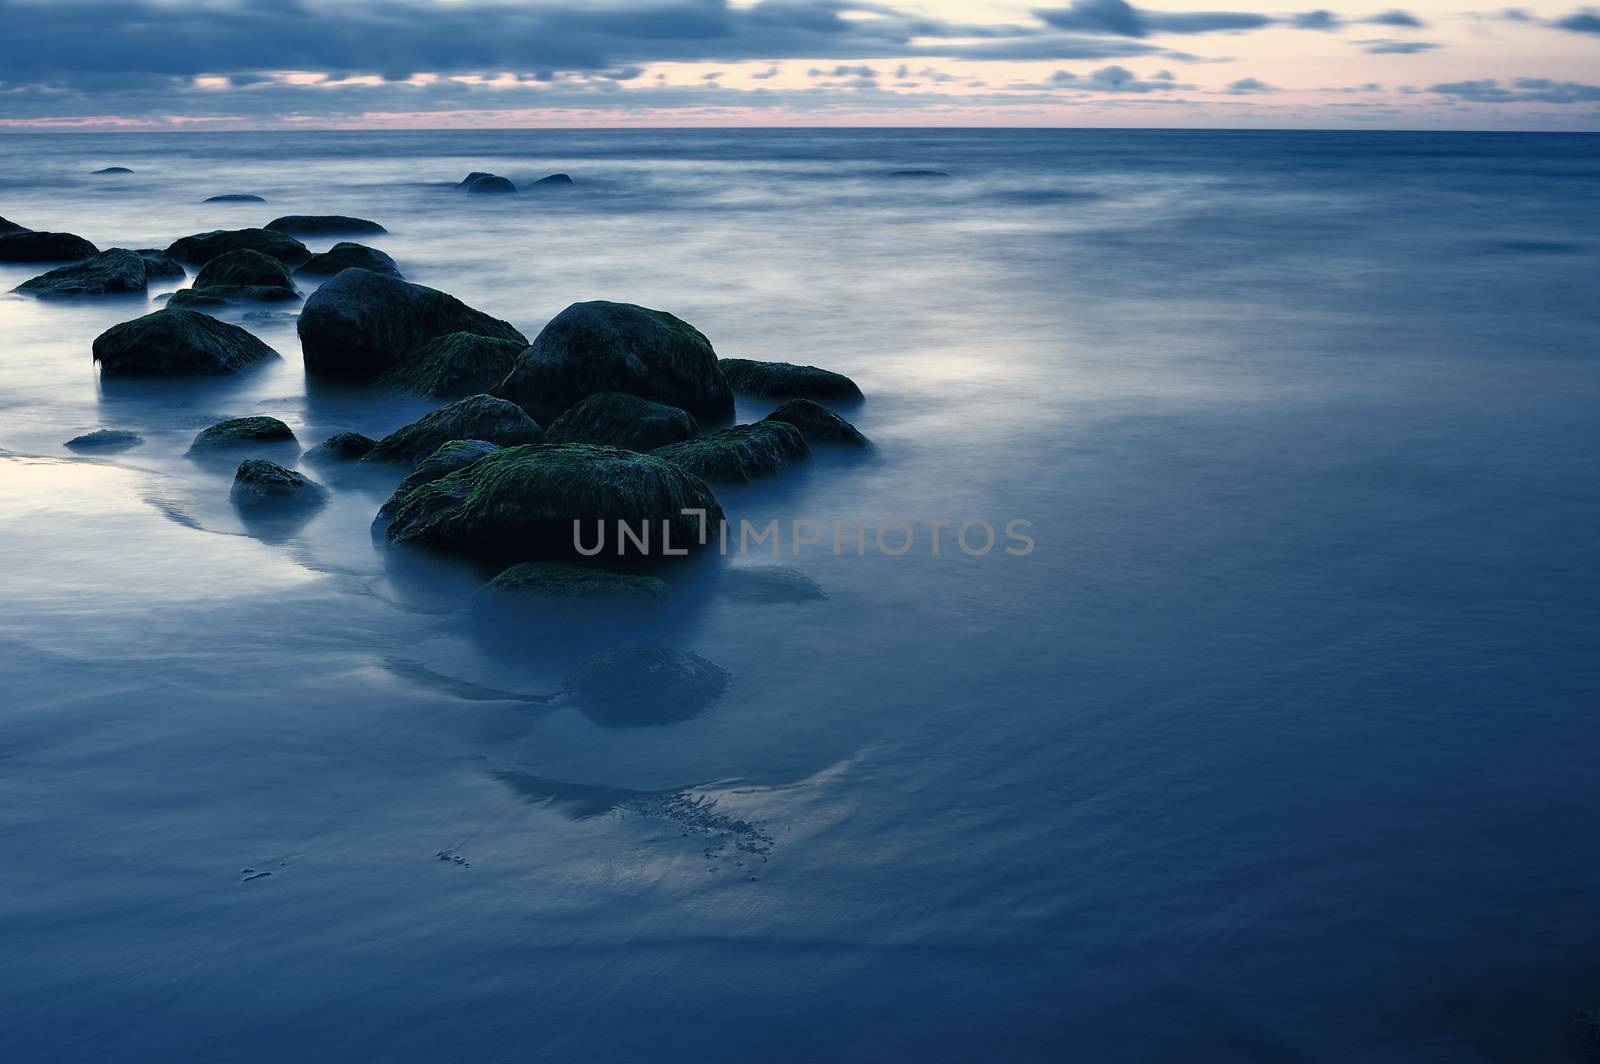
(1280, 746)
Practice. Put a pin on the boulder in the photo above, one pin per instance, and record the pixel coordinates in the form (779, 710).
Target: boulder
(234, 197)
(642, 686)
(451, 456)
(105, 440)
(784, 380)
(347, 256)
(113, 170)
(528, 503)
(918, 173)
(818, 424)
(491, 184)
(616, 419)
(618, 347)
(222, 295)
(564, 588)
(159, 266)
(258, 482)
(324, 225)
(201, 248)
(740, 454)
(477, 417)
(28, 246)
(347, 446)
(7, 227)
(454, 365)
(241, 432)
(242, 266)
(466, 182)
(554, 181)
(362, 323)
(114, 272)
(172, 342)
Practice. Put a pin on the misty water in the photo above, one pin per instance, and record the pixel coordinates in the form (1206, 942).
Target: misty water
(1279, 746)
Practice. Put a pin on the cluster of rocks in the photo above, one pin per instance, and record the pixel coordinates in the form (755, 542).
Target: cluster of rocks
(485, 183)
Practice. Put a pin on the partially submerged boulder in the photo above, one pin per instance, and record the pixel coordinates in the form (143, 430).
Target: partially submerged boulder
(28, 246)
(530, 503)
(740, 454)
(174, 341)
(642, 686)
(243, 266)
(454, 365)
(241, 432)
(259, 483)
(491, 184)
(201, 248)
(324, 225)
(347, 446)
(451, 456)
(918, 173)
(159, 266)
(466, 182)
(234, 197)
(554, 181)
(616, 419)
(105, 440)
(618, 347)
(784, 380)
(362, 323)
(565, 588)
(477, 417)
(117, 272)
(348, 256)
(223, 295)
(112, 170)
(818, 424)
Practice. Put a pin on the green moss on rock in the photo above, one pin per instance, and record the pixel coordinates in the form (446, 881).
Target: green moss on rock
(616, 419)
(818, 424)
(241, 431)
(742, 453)
(477, 417)
(455, 365)
(451, 456)
(111, 273)
(348, 256)
(258, 482)
(782, 380)
(201, 248)
(174, 341)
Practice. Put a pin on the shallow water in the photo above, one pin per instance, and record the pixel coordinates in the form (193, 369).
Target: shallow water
(1279, 746)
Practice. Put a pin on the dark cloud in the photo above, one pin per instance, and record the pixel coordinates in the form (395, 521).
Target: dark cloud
(1585, 21)
(1249, 86)
(1120, 18)
(1520, 90)
(1395, 17)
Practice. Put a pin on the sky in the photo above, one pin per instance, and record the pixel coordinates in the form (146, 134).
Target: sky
(348, 64)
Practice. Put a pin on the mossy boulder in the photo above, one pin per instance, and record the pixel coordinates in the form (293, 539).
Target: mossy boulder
(346, 255)
(324, 225)
(740, 454)
(818, 424)
(174, 342)
(243, 266)
(616, 419)
(492, 185)
(234, 197)
(259, 483)
(201, 248)
(159, 266)
(8, 227)
(451, 456)
(565, 588)
(345, 446)
(643, 686)
(618, 347)
(477, 417)
(784, 380)
(117, 272)
(105, 440)
(362, 323)
(242, 432)
(222, 295)
(29, 246)
(457, 364)
(529, 503)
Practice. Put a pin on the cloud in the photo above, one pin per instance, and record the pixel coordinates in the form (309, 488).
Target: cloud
(843, 72)
(1584, 21)
(1520, 90)
(1396, 17)
(1249, 86)
(1115, 79)
(1120, 18)
(1315, 20)
(1391, 47)
(764, 75)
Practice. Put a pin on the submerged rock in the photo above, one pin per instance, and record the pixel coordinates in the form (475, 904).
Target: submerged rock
(740, 454)
(618, 347)
(362, 323)
(159, 266)
(491, 184)
(258, 482)
(112, 170)
(478, 417)
(639, 686)
(243, 266)
(566, 590)
(222, 295)
(234, 197)
(918, 173)
(348, 256)
(451, 456)
(454, 365)
(818, 424)
(529, 503)
(615, 419)
(553, 181)
(768, 584)
(343, 445)
(241, 431)
(7, 227)
(115, 272)
(105, 440)
(784, 380)
(201, 248)
(28, 246)
(324, 225)
(172, 342)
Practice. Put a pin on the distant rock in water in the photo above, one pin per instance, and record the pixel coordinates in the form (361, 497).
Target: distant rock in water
(362, 323)
(491, 184)
(7, 227)
(242, 431)
(562, 592)
(224, 295)
(615, 419)
(258, 482)
(234, 197)
(451, 456)
(105, 440)
(455, 365)
(783, 380)
(818, 424)
(324, 225)
(554, 181)
(348, 256)
(117, 272)
(159, 266)
(619, 347)
(466, 182)
(740, 454)
(176, 342)
(521, 504)
(643, 686)
(28, 246)
(346, 446)
(918, 173)
(243, 266)
(201, 248)
(113, 170)
(478, 417)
